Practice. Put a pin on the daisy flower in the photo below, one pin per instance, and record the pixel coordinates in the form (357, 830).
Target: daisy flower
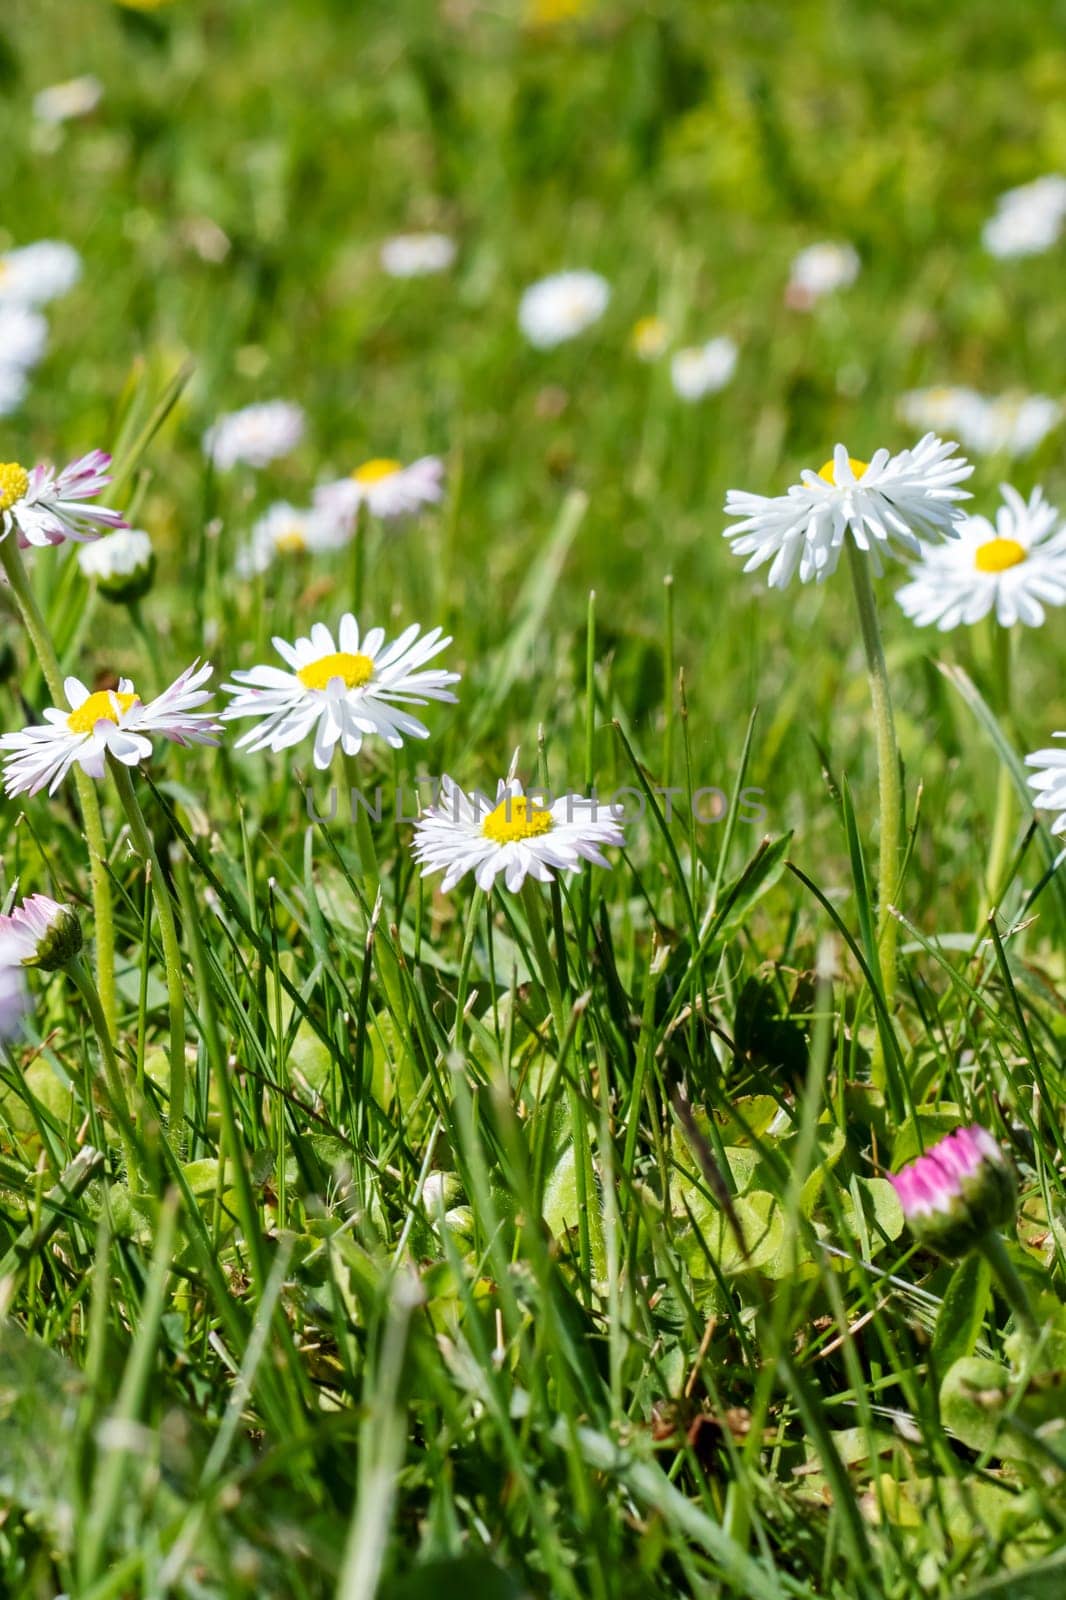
(1008, 424)
(516, 836)
(39, 272)
(45, 507)
(1027, 220)
(284, 530)
(122, 564)
(558, 308)
(703, 369)
(1015, 568)
(819, 270)
(256, 435)
(882, 502)
(957, 1191)
(1049, 781)
(340, 689)
(650, 338)
(39, 933)
(417, 255)
(23, 335)
(60, 102)
(389, 490)
(106, 722)
(14, 1001)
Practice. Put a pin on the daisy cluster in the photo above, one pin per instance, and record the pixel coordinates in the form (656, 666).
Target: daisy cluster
(30, 277)
(335, 688)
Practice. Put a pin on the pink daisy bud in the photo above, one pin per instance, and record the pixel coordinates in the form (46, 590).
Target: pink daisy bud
(958, 1191)
(39, 933)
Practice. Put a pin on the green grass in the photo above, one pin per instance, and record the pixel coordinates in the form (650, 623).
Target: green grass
(536, 1246)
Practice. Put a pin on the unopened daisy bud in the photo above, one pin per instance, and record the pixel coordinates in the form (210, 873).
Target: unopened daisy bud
(122, 565)
(959, 1192)
(39, 933)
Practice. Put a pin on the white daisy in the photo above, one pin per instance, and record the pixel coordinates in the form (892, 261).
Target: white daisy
(14, 1001)
(256, 435)
(1027, 220)
(1015, 568)
(517, 835)
(1007, 424)
(285, 530)
(416, 255)
(1049, 781)
(887, 501)
(819, 270)
(61, 102)
(39, 272)
(108, 722)
(23, 335)
(560, 307)
(45, 507)
(388, 489)
(122, 564)
(342, 690)
(39, 933)
(703, 369)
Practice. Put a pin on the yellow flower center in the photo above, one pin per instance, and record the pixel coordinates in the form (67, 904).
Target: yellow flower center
(14, 481)
(106, 705)
(374, 471)
(291, 542)
(828, 472)
(516, 818)
(999, 554)
(353, 671)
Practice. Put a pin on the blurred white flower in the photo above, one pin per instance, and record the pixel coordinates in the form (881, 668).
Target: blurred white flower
(517, 836)
(388, 489)
(39, 272)
(255, 435)
(560, 307)
(285, 530)
(1014, 568)
(884, 502)
(819, 270)
(13, 385)
(122, 564)
(23, 335)
(14, 1001)
(45, 507)
(650, 338)
(416, 255)
(341, 690)
(703, 369)
(1007, 424)
(61, 102)
(1027, 220)
(1049, 781)
(112, 722)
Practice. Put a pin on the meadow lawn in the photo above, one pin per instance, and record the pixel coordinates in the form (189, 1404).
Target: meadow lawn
(539, 1243)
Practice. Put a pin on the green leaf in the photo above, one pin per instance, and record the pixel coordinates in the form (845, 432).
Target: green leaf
(962, 1311)
(460, 1579)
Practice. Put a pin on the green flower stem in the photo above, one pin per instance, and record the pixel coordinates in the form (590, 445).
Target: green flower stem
(1003, 825)
(103, 914)
(994, 1250)
(890, 787)
(388, 967)
(116, 1088)
(142, 840)
(583, 1172)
